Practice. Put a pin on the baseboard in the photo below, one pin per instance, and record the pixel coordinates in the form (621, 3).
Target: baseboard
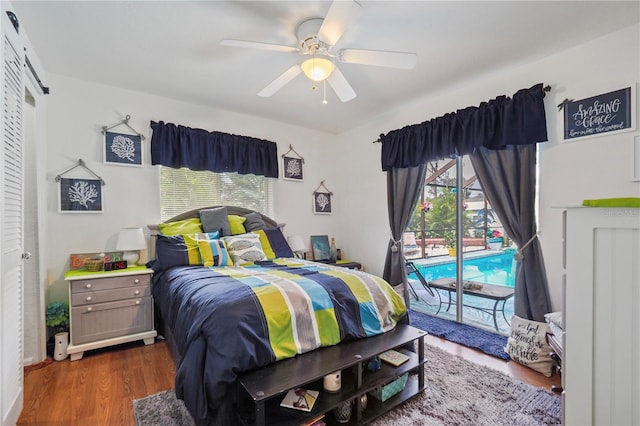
(13, 413)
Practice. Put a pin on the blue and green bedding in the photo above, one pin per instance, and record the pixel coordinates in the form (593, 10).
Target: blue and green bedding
(227, 320)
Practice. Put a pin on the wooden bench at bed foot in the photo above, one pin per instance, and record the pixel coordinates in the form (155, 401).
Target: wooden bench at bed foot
(493, 292)
(261, 391)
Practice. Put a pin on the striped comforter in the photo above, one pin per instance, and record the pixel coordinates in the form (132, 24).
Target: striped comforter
(226, 320)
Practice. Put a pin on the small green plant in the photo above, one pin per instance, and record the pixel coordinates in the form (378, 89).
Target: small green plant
(57, 316)
(450, 239)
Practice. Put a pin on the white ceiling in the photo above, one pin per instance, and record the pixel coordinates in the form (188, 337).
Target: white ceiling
(172, 48)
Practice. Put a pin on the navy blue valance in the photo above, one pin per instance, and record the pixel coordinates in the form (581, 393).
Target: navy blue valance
(503, 121)
(179, 146)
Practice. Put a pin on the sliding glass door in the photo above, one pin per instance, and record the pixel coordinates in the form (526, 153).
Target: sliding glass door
(459, 247)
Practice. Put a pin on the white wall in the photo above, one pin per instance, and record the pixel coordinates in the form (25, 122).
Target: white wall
(76, 112)
(349, 163)
(570, 172)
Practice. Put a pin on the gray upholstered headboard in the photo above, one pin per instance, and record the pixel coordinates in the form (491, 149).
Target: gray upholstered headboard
(154, 230)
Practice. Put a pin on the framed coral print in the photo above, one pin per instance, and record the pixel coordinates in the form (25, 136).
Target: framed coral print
(80, 195)
(292, 168)
(322, 203)
(122, 149)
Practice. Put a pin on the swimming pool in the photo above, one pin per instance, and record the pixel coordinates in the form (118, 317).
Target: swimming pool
(487, 267)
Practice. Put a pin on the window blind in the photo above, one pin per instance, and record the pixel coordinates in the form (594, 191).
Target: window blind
(183, 189)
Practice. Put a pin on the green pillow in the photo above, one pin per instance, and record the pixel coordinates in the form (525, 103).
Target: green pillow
(266, 245)
(187, 226)
(236, 224)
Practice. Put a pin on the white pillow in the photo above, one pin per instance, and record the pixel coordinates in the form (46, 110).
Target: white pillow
(244, 248)
(528, 345)
(554, 318)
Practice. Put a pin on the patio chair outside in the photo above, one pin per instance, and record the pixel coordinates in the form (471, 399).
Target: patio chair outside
(411, 249)
(412, 269)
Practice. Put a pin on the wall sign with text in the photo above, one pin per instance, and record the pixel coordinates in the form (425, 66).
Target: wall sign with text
(606, 113)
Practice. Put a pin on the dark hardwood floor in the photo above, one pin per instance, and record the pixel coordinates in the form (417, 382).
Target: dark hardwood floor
(100, 388)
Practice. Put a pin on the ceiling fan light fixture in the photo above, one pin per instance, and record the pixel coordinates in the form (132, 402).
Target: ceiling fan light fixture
(317, 69)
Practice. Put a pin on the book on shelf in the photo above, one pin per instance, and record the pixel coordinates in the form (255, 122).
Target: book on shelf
(300, 399)
(393, 357)
(314, 421)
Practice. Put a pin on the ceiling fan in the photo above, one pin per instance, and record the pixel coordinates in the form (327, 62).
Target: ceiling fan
(317, 39)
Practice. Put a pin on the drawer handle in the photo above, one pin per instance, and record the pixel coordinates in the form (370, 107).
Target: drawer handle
(88, 285)
(89, 309)
(137, 292)
(137, 302)
(88, 299)
(136, 281)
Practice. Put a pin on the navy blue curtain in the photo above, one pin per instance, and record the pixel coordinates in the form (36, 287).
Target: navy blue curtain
(519, 120)
(179, 146)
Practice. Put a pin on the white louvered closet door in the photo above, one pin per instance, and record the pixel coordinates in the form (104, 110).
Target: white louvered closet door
(11, 217)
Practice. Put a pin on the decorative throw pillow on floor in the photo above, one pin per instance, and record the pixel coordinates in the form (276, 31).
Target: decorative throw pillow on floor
(528, 345)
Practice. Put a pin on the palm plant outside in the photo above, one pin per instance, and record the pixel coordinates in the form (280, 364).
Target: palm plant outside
(440, 220)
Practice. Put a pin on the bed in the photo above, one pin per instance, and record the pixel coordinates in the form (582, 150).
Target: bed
(229, 304)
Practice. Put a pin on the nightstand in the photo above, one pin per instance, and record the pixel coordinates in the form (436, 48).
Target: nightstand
(349, 264)
(109, 308)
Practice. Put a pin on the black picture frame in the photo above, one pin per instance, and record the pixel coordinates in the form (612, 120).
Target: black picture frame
(320, 247)
(322, 203)
(123, 149)
(79, 195)
(603, 114)
(292, 168)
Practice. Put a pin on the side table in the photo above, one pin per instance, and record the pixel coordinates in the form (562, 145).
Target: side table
(109, 308)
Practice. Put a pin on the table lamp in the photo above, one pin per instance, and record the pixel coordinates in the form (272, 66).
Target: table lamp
(131, 241)
(298, 246)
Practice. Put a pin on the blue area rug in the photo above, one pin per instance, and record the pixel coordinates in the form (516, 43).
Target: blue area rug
(485, 341)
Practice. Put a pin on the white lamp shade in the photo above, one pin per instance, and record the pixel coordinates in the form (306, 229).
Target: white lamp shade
(297, 244)
(130, 240)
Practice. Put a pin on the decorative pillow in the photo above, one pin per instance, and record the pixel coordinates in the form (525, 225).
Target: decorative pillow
(214, 253)
(236, 224)
(215, 220)
(179, 250)
(278, 242)
(254, 222)
(187, 226)
(245, 248)
(528, 345)
(266, 245)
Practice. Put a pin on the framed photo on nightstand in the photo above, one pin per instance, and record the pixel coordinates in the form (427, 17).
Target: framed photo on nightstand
(320, 247)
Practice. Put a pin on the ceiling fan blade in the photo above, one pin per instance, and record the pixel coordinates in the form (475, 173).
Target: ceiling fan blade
(279, 82)
(341, 86)
(258, 45)
(379, 58)
(340, 15)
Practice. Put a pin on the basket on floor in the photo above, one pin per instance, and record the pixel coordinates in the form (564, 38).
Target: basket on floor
(93, 265)
(385, 392)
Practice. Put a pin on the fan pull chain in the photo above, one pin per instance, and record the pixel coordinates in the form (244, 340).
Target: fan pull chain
(324, 87)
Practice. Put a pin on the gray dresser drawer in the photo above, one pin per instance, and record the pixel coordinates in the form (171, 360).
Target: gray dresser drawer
(109, 308)
(106, 320)
(93, 297)
(98, 284)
